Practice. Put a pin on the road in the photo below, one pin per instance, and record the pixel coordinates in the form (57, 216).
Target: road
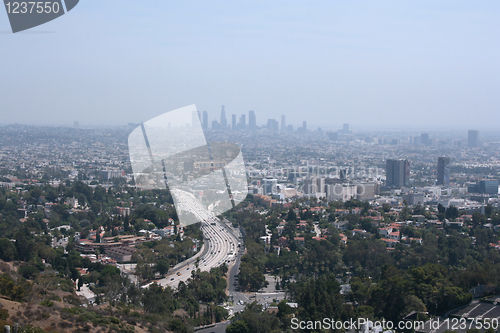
(217, 328)
(220, 245)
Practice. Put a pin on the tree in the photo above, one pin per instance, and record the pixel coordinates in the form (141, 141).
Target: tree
(23, 245)
(28, 271)
(158, 300)
(220, 314)
(452, 212)
(238, 326)
(98, 235)
(8, 251)
(162, 266)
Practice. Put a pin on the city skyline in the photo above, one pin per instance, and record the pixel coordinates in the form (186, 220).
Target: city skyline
(379, 65)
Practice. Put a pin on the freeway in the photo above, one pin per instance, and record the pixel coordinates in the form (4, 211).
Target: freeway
(220, 244)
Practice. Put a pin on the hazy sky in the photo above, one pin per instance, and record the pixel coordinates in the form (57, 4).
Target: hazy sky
(373, 64)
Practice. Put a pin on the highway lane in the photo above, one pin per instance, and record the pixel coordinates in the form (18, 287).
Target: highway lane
(220, 244)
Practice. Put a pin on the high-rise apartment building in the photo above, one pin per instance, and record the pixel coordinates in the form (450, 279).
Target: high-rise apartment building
(443, 171)
(397, 173)
(473, 138)
(252, 123)
(283, 123)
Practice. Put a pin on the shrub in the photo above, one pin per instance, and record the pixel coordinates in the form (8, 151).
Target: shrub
(47, 303)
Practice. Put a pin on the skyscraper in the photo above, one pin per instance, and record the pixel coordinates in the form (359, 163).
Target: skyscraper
(345, 128)
(304, 125)
(443, 171)
(204, 124)
(397, 173)
(272, 125)
(233, 122)
(473, 138)
(223, 120)
(424, 138)
(243, 122)
(269, 185)
(283, 123)
(252, 122)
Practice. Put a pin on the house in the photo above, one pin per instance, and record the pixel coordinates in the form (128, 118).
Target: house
(391, 243)
(409, 240)
(300, 241)
(342, 212)
(418, 218)
(436, 223)
(341, 225)
(266, 239)
(384, 232)
(343, 239)
(358, 232)
(280, 229)
(455, 225)
(356, 211)
(302, 225)
(394, 235)
(326, 232)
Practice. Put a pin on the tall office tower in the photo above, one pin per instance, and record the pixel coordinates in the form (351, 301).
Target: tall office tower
(243, 122)
(272, 125)
(75, 124)
(443, 172)
(223, 120)
(320, 184)
(270, 185)
(397, 173)
(283, 123)
(424, 138)
(345, 128)
(205, 120)
(233, 122)
(488, 186)
(304, 125)
(473, 138)
(252, 122)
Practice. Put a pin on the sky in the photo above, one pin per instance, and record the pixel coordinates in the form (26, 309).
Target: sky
(372, 64)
